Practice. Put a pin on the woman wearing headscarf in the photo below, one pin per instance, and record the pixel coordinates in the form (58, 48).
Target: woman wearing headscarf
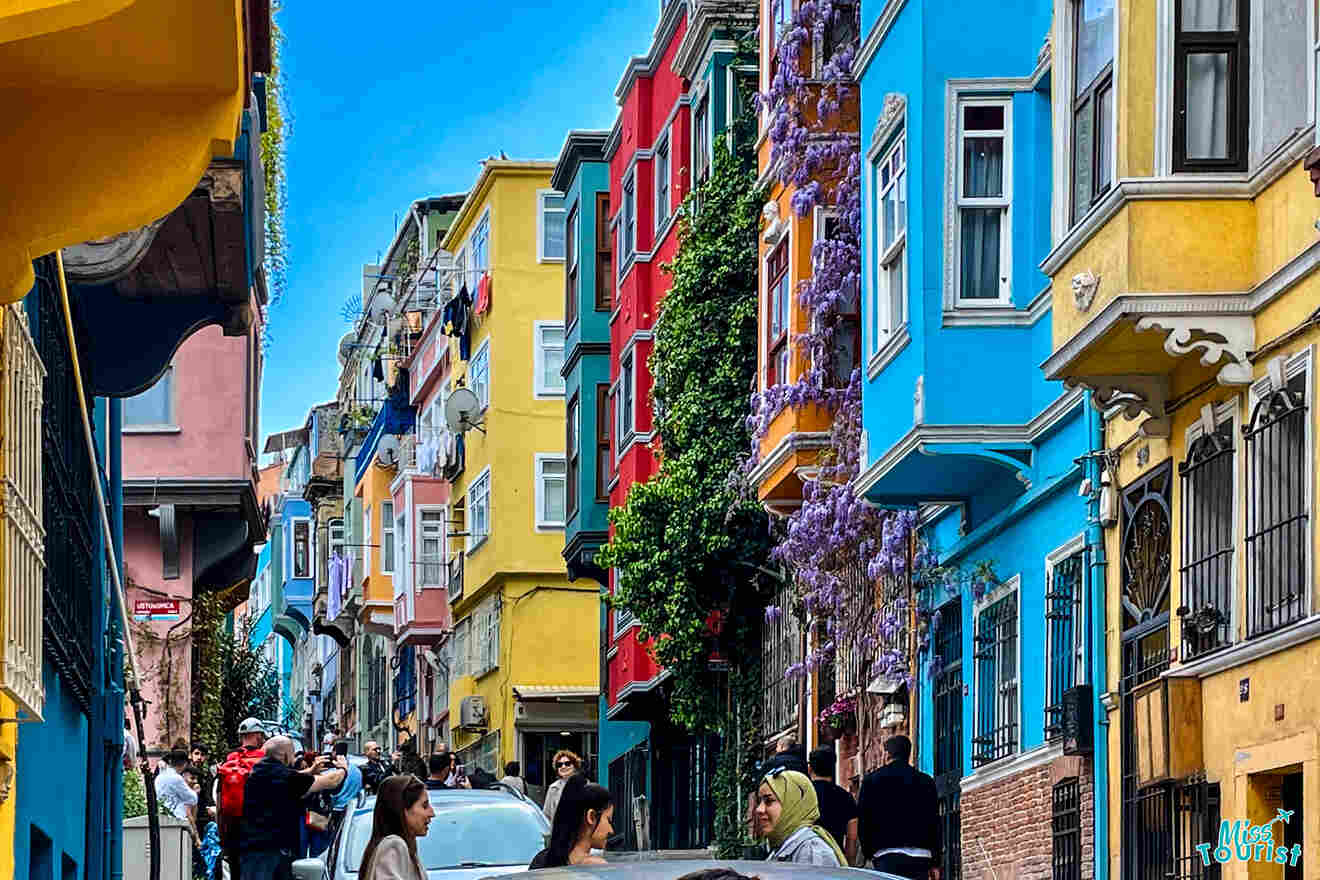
(786, 812)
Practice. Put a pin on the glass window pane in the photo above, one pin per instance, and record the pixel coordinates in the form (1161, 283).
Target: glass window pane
(894, 282)
(554, 233)
(1083, 157)
(1207, 105)
(890, 209)
(1105, 134)
(554, 500)
(1209, 15)
(983, 167)
(1095, 40)
(983, 118)
(153, 406)
(900, 208)
(980, 253)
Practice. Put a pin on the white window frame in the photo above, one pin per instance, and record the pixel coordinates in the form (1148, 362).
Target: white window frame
(701, 138)
(387, 539)
(540, 477)
(366, 541)
(486, 619)
(662, 159)
(1004, 202)
(1012, 585)
(462, 651)
(480, 235)
(1300, 362)
(1080, 666)
(441, 564)
(171, 423)
(402, 569)
(293, 549)
(479, 488)
(627, 379)
(884, 324)
(627, 224)
(542, 389)
(541, 211)
(478, 373)
(623, 619)
(1064, 78)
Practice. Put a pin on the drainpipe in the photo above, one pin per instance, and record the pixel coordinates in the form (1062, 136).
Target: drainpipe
(116, 479)
(1099, 666)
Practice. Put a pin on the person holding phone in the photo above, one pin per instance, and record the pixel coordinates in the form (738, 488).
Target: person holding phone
(444, 773)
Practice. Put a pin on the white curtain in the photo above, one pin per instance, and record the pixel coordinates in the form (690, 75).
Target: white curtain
(1207, 80)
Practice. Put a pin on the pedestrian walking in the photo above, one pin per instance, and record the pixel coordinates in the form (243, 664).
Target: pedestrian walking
(838, 810)
(583, 822)
(172, 790)
(786, 816)
(899, 816)
(513, 778)
(271, 835)
(403, 813)
(231, 781)
(375, 770)
(199, 759)
(566, 764)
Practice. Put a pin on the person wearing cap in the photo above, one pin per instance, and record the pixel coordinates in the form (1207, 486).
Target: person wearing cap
(251, 738)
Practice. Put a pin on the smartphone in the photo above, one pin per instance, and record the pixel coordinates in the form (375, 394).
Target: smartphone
(460, 772)
(341, 748)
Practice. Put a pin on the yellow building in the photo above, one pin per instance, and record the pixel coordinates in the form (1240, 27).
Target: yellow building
(526, 639)
(1184, 296)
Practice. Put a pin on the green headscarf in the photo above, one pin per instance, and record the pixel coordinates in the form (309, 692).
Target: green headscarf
(800, 809)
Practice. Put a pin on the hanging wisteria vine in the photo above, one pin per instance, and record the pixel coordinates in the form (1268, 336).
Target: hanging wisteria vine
(839, 548)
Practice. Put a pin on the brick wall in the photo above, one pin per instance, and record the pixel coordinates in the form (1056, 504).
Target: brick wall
(1007, 824)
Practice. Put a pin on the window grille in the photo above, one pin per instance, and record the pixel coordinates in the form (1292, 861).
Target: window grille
(377, 688)
(1195, 821)
(781, 647)
(68, 503)
(23, 536)
(1063, 619)
(1206, 574)
(996, 682)
(1277, 528)
(1147, 812)
(1066, 819)
(947, 686)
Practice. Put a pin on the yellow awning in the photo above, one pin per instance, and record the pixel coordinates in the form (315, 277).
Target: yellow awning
(116, 107)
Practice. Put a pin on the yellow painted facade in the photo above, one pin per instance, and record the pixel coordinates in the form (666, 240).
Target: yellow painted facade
(1204, 283)
(116, 109)
(548, 627)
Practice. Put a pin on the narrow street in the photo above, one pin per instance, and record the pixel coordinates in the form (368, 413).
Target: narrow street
(694, 440)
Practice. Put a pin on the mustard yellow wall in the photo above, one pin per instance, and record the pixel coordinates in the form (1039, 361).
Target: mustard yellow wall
(373, 489)
(156, 86)
(9, 754)
(517, 425)
(548, 636)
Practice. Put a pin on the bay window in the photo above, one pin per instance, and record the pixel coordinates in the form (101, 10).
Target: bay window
(1210, 85)
(603, 456)
(573, 449)
(604, 255)
(571, 269)
(662, 182)
(777, 300)
(890, 298)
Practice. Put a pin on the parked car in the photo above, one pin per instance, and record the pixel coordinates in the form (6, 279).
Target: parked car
(672, 869)
(475, 833)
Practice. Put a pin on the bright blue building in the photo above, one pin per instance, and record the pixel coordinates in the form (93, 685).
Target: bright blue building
(959, 423)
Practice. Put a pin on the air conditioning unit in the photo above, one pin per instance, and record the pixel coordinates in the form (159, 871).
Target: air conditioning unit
(472, 713)
(1076, 721)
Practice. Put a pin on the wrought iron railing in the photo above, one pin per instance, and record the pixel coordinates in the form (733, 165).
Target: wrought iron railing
(1195, 821)
(1277, 538)
(1206, 572)
(1063, 604)
(24, 536)
(67, 486)
(1066, 828)
(781, 649)
(996, 682)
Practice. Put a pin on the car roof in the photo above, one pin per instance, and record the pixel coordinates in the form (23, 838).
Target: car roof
(459, 796)
(670, 869)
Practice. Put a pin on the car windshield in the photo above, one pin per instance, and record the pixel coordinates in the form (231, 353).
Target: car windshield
(465, 833)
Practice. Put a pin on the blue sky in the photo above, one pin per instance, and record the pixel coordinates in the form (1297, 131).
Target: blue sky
(398, 100)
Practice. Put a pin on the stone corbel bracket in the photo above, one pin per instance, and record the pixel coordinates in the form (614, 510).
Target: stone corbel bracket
(1226, 338)
(1135, 394)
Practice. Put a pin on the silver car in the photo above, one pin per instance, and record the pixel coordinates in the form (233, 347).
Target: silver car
(665, 869)
(475, 833)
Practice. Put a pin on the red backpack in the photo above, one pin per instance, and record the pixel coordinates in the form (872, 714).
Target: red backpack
(232, 775)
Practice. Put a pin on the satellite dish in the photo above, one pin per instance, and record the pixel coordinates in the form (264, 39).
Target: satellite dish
(346, 347)
(462, 410)
(387, 450)
(381, 305)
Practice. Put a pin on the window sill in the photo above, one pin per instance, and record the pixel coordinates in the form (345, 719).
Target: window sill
(1253, 649)
(549, 527)
(898, 340)
(1011, 765)
(547, 394)
(559, 260)
(999, 315)
(152, 429)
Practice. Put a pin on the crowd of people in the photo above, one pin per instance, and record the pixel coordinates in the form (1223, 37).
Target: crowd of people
(267, 804)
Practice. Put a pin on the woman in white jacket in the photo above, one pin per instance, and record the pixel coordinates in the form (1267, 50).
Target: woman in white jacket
(786, 813)
(566, 763)
(403, 814)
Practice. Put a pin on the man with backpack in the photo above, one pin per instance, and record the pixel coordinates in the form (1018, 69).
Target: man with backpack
(231, 778)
